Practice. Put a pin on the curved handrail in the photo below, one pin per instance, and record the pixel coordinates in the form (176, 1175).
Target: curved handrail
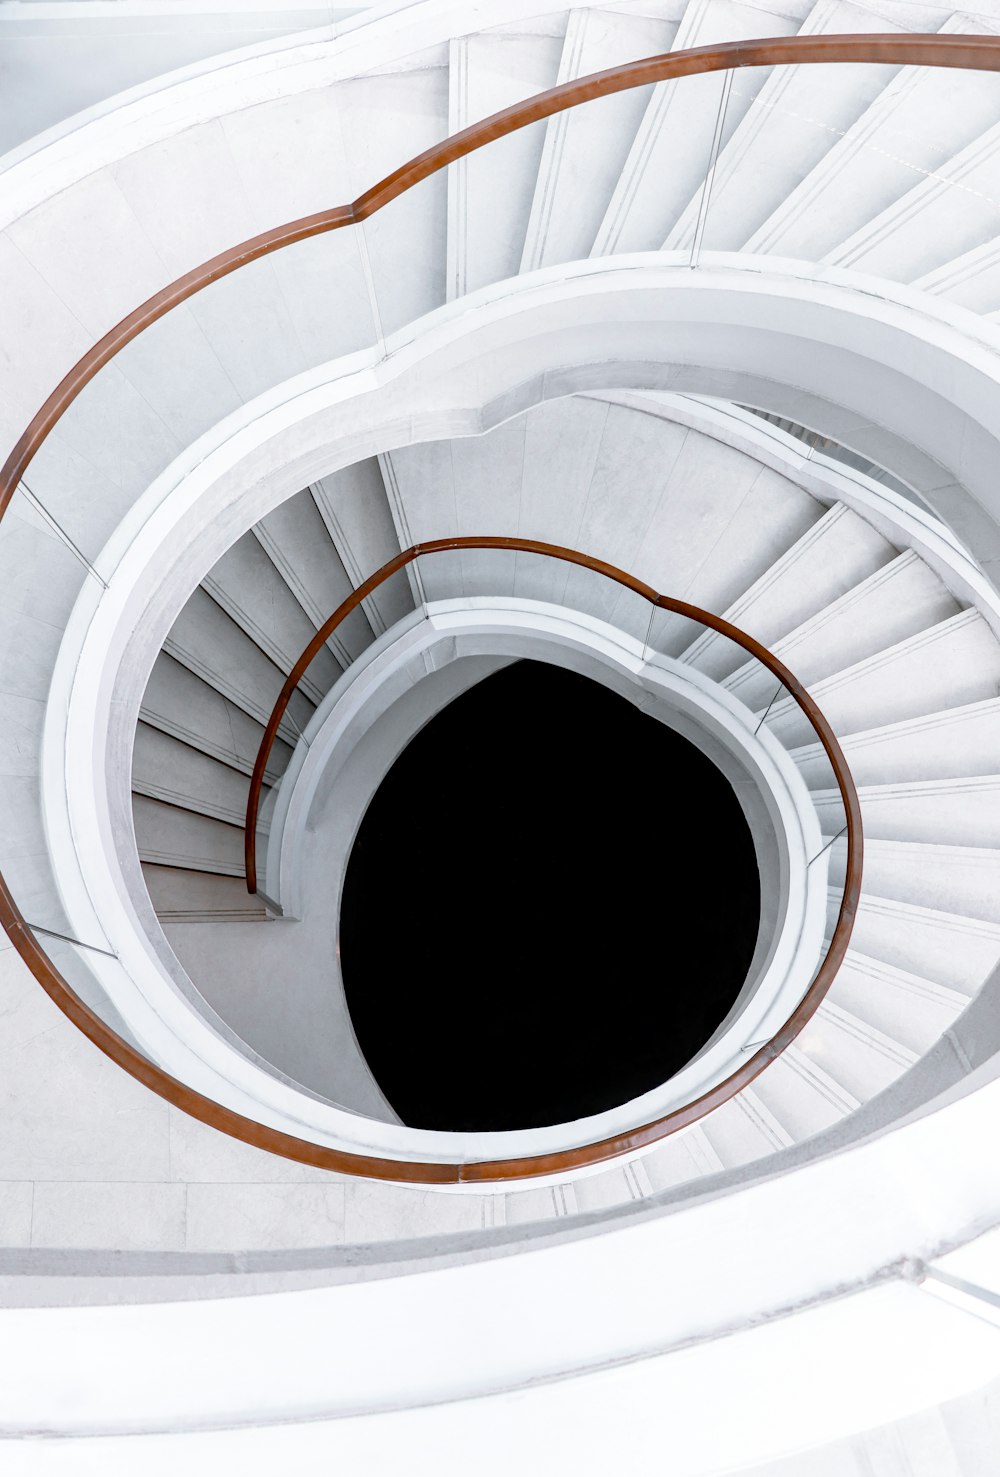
(621, 577)
(824, 977)
(917, 49)
(979, 53)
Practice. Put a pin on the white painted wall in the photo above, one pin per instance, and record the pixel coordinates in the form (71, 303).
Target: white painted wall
(61, 57)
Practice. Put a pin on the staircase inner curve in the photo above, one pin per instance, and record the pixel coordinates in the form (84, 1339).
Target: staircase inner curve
(790, 971)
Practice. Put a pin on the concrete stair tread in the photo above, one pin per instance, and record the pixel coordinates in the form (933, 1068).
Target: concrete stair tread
(794, 117)
(960, 879)
(949, 948)
(251, 589)
(745, 1129)
(803, 1093)
(941, 218)
(907, 132)
(182, 704)
(165, 768)
(589, 143)
(171, 836)
(205, 639)
(833, 556)
(180, 896)
(910, 1009)
(970, 280)
(657, 178)
(952, 663)
(298, 543)
(860, 1057)
(897, 601)
(486, 74)
(953, 743)
(959, 813)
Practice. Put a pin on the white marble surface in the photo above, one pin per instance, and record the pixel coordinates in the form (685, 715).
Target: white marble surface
(130, 1215)
(16, 1197)
(91, 1160)
(263, 1217)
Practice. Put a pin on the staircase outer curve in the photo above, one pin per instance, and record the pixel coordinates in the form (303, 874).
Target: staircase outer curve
(949, 51)
(865, 1257)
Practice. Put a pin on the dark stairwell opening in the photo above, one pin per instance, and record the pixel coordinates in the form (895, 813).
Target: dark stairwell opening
(551, 904)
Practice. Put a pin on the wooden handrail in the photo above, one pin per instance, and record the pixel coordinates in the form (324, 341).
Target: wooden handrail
(621, 577)
(624, 1143)
(980, 53)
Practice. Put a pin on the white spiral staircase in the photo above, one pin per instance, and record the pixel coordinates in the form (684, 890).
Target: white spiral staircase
(642, 328)
(907, 669)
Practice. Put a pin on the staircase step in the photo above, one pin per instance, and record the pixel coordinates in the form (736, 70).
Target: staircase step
(586, 148)
(955, 814)
(803, 1094)
(620, 1186)
(173, 837)
(944, 216)
(680, 1158)
(952, 744)
(166, 769)
(970, 280)
(944, 947)
(247, 585)
(905, 1007)
(667, 160)
(744, 1129)
(955, 662)
(490, 192)
(897, 601)
(184, 705)
(795, 115)
(835, 555)
(963, 879)
(206, 640)
(907, 133)
(297, 542)
(420, 485)
(180, 896)
(863, 1059)
(354, 505)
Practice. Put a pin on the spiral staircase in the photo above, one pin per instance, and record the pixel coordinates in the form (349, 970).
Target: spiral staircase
(907, 669)
(730, 333)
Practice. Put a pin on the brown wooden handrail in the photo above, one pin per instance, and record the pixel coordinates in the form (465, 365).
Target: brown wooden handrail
(918, 49)
(825, 975)
(621, 577)
(979, 53)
